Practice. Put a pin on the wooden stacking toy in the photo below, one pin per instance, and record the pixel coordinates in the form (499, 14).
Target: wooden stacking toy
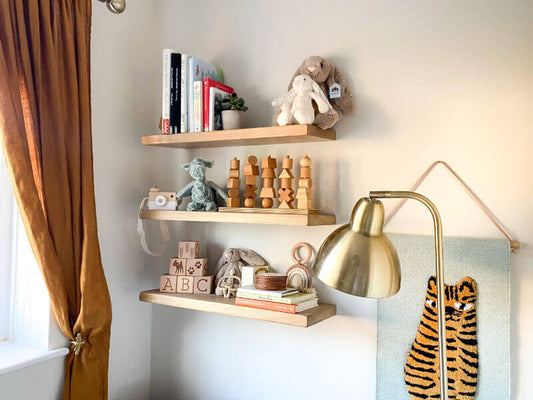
(250, 172)
(286, 193)
(304, 195)
(188, 272)
(268, 193)
(234, 184)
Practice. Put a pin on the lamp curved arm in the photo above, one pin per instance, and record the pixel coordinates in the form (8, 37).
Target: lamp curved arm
(439, 267)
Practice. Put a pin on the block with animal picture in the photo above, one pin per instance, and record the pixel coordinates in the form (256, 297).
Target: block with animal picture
(196, 266)
(188, 249)
(203, 284)
(168, 283)
(177, 266)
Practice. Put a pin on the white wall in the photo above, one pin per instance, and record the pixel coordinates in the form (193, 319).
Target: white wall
(433, 81)
(125, 100)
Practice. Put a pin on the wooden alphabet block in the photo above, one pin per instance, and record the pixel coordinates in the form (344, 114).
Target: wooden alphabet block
(168, 283)
(185, 284)
(188, 249)
(177, 266)
(203, 284)
(197, 266)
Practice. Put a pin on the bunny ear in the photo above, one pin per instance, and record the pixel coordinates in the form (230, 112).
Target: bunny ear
(316, 88)
(186, 166)
(209, 163)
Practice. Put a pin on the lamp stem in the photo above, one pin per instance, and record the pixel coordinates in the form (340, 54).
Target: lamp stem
(439, 267)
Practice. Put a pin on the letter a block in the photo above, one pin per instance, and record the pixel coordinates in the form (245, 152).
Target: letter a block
(203, 284)
(185, 284)
(168, 283)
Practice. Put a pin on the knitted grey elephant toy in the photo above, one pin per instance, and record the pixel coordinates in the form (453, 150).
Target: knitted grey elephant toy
(235, 259)
(203, 193)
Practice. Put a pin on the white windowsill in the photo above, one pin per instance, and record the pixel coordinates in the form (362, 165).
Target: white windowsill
(15, 356)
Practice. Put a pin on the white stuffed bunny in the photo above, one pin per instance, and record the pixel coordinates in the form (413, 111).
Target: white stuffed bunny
(297, 104)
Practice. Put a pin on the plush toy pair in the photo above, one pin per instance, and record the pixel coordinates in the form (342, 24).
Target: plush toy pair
(296, 105)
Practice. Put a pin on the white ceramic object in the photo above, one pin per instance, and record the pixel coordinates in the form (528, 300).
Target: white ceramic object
(233, 119)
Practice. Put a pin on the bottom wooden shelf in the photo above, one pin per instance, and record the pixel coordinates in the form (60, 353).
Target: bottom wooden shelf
(220, 305)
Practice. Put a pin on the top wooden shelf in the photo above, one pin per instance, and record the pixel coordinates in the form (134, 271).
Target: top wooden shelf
(242, 137)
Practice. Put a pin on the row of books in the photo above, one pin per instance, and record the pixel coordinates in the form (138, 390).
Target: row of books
(190, 90)
(289, 301)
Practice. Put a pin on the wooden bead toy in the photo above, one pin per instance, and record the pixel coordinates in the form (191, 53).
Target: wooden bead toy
(304, 194)
(251, 171)
(268, 193)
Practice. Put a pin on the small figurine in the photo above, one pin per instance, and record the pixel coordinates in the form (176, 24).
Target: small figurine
(235, 259)
(227, 285)
(297, 104)
(203, 193)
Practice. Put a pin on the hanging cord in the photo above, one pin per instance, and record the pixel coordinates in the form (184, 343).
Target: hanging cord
(515, 245)
(165, 234)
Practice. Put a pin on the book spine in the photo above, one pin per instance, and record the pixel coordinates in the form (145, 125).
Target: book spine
(183, 89)
(205, 101)
(264, 297)
(190, 92)
(266, 305)
(165, 99)
(198, 106)
(174, 92)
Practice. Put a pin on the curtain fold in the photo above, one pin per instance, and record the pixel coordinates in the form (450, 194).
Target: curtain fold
(45, 128)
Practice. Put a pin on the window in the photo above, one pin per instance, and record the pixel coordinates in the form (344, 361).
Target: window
(27, 327)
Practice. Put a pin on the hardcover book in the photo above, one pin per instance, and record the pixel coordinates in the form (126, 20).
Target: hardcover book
(175, 89)
(184, 121)
(293, 299)
(209, 104)
(273, 306)
(198, 70)
(198, 122)
(273, 293)
(166, 75)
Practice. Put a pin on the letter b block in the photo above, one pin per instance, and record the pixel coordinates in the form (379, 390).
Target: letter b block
(185, 284)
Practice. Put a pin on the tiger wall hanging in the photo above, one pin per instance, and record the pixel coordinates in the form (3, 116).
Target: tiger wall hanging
(422, 365)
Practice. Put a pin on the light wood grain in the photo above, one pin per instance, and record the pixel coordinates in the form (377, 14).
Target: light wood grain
(267, 210)
(220, 305)
(240, 217)
(242, 137)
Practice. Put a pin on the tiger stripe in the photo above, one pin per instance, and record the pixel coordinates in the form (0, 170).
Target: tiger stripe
(422, 364)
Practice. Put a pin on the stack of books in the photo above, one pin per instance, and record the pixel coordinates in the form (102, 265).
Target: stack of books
(190, 88)
(288, 301)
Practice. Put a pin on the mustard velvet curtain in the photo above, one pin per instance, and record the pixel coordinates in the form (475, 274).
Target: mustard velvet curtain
(45, 128)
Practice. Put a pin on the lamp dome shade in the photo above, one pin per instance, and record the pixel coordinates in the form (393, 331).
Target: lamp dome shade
(358, 258)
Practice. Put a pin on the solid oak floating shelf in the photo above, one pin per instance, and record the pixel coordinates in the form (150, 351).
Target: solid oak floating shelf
(220, 305)
(242, 137)
(240, 217)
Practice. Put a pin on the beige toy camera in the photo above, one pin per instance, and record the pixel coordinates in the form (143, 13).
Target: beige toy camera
(158, 200)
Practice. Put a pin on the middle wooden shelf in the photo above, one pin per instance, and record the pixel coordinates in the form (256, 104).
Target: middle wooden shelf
(266, 218)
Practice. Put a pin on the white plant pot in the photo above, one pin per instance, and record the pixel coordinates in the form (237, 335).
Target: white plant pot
(233, 119)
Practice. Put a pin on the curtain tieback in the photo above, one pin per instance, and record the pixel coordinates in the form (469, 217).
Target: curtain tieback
(78, 343)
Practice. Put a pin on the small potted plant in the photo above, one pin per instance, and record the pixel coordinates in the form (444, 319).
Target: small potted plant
(233, 108)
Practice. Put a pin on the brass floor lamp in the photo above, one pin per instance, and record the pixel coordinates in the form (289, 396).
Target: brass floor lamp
(359, 259)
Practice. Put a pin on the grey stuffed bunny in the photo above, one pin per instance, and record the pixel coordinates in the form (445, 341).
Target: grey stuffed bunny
(235, 259)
